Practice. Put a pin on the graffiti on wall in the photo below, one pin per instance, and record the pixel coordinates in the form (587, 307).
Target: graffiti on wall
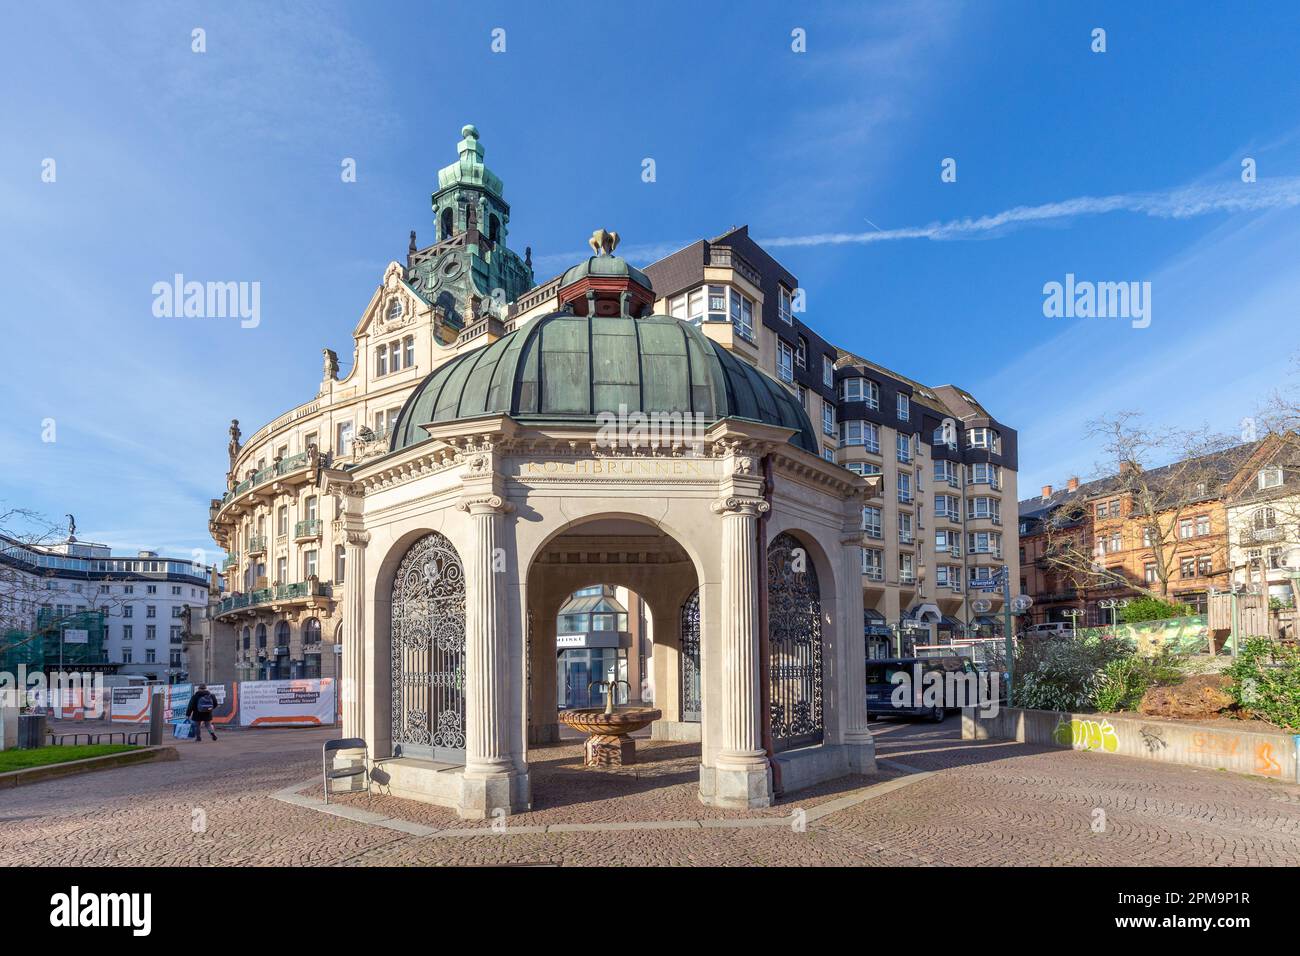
(1083, 734)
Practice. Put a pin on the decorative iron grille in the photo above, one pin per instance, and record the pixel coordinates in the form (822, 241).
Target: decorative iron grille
(794, 626)
(428, 652)
(692, 692)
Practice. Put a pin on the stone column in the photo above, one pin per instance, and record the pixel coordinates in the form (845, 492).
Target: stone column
(743, 777)
(856, 733)
(354, 633)
(489, 765)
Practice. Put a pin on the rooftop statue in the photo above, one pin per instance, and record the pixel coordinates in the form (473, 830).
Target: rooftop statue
(603, 243)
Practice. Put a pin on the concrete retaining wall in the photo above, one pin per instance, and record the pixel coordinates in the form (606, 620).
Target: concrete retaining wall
(1217, 747)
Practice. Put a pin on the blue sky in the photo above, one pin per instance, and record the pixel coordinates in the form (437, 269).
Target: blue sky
(225, 166)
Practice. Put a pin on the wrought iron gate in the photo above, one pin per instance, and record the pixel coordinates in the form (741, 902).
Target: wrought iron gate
(690, 657)
(794, 627)
(428, 652)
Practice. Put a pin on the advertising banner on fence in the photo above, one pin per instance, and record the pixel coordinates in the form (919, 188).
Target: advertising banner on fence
(287, 703)
(130, 705)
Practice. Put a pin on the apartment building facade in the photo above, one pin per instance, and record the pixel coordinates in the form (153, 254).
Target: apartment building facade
(1092, 544)
(77, 602)
(935, 533)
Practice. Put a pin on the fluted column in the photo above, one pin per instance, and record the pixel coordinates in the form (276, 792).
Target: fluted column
(853, 684)
(354, 633)
(487, 737)
(741, 705)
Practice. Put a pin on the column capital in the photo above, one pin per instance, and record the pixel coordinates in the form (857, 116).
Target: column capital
(741, 505)
(484, 504)
(355, 537)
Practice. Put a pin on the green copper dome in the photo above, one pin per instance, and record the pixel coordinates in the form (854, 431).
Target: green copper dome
(567, 369)
(604, 267)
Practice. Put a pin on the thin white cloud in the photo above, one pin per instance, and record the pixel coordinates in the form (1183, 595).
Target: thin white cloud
(1183, 203)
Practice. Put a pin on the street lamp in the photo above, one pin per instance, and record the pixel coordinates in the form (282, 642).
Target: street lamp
(1073, 614)
(1113, 605)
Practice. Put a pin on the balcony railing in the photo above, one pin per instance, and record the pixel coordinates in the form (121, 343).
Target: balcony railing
(307, 529)
(231, 562)
(283, 467)
(723, 256)
(906, 577)
(300, 590)
(1260, 535)
(257, 544)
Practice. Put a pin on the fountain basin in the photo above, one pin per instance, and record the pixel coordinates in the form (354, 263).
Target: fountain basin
(608, 743)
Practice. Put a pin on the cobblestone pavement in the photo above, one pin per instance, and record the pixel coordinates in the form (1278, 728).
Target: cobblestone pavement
(976, 803)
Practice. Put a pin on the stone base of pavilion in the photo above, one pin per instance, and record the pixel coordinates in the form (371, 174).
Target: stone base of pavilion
(745, 785)
(662, 786)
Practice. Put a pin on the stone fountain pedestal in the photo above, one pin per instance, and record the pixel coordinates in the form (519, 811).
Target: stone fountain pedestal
(609, 750)
(608, 743)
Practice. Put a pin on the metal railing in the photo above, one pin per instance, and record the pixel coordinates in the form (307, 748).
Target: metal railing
(307, 529)
(300, 590)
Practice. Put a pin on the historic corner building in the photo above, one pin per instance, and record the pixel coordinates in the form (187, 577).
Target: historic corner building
(432, 513)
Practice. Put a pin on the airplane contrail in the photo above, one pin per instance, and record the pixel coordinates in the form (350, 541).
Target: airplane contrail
(1185, 202)
(1182, 203)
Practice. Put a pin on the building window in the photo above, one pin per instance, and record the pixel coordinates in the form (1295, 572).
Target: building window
(381, 361)
(310, 632)
(1205, 565)
(1270, 477)
(828, 372)
(394, 356)
(905, 528)
(1149, 573)
(871, 522)
(866, 434)
(128, 631)
(785, 305)
(828, 418)
(984, 542)
(903, 444)
(989, 508)
(742, 313)
(128, 610)
(282, 520)
(945, 506)
(983, 473)
(150, 656)
(861, 390)
(904, 407)
(343, 440)
(946, 471)
(801, 353)
(309, 564)
(904, 488)
(1202, 524)
(340, 563)
(828, 453)
(1185, 528)
(151, 632)
(784, 362)
(906, 568)
(873, 564)
(151, 610)
(261, 637)
(1264, 519)
(1187, 568)
(408, 348)
(126, 655)
(984, 438)
(1148, 537)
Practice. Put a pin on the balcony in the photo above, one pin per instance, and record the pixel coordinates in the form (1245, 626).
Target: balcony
(307, 529)
(725, 257)
(1261, 535)
(257, 544)
(293, 465)
(299, 592)
(231, 562)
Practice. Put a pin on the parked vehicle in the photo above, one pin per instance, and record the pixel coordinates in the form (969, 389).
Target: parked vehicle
(1050, 629)
(881, 684)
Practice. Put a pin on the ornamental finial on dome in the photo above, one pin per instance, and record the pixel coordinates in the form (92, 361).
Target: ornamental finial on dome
(603, 243)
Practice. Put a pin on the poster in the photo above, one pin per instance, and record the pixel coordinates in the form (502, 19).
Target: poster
(287, 703)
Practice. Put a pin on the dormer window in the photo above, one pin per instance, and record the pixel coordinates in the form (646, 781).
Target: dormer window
(394, 309)
(801, 353)
(786, 309)
(1270, 477)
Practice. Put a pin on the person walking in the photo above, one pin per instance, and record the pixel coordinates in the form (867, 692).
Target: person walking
(202, 703)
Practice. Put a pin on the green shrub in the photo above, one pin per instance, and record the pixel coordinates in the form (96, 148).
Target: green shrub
(1266, 681)
(1152, 609)
(1064, 673)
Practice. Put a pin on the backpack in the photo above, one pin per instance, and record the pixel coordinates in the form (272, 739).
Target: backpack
(205, 702)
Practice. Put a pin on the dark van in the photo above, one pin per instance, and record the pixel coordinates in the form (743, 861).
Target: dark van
(881, 685)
